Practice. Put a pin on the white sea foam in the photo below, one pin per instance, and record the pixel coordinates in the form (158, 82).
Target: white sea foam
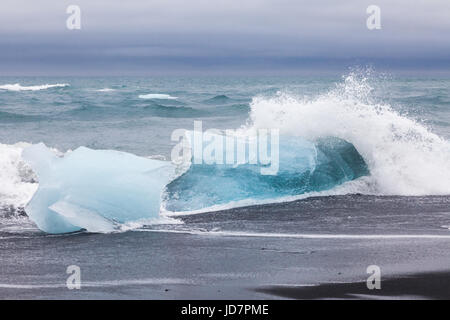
(17, 180)
(18, 87)
(159, 96)
(303, 235)
(94, 189)
(361, 185)
(404, 157)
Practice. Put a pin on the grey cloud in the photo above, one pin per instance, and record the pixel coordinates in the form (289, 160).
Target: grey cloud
(115, 31)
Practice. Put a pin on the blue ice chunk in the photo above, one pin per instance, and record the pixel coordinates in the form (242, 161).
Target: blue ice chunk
(95, 190)
(304, 166)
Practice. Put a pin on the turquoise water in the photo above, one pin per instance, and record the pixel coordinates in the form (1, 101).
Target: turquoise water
(78, 115)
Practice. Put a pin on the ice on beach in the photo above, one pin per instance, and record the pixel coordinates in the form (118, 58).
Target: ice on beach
(18, 87)
(286, 168)
(94, 190)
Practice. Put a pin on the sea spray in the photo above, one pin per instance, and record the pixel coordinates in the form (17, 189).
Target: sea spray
(403, 156)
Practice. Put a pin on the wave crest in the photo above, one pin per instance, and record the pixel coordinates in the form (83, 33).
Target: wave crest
(18, 182)
(403, 156)
(159, 96)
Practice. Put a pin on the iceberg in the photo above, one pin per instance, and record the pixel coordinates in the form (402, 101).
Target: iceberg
(94, 190)
(304, 166)
(100, 190)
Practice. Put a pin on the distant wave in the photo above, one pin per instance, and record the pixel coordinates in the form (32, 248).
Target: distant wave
(105, 90)
(18, 87)
(157, 96)
(165, 111)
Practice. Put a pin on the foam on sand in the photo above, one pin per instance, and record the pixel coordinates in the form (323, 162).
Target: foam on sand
(105, 90)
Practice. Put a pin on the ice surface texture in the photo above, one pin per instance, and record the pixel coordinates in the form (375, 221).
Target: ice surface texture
(99, 190)
(94, 190)
(304, 166)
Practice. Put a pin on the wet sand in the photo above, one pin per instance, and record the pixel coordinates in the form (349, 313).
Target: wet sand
(273, 262)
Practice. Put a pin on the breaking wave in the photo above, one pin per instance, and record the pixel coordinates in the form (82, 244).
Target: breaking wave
(18, 87)
(403, 156)
(159, 96)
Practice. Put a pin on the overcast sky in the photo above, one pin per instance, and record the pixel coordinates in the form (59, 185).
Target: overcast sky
(137, 36)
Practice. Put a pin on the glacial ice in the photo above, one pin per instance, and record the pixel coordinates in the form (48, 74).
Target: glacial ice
(95, 190)
(303, 166)
(99, 190)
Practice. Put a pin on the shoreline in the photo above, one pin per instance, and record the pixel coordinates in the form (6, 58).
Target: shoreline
(211, 256)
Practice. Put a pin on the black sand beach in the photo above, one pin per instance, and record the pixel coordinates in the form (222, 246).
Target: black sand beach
(210, 257)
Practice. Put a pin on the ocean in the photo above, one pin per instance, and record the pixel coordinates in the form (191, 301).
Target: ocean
(364, 167)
